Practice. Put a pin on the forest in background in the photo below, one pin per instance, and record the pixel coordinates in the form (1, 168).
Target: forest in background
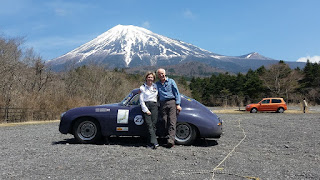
(28, 84)
(278, 80)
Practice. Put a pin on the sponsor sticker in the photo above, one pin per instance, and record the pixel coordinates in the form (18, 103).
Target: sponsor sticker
(122, 117)
(102, 110)
(122, 129)
(138, 120)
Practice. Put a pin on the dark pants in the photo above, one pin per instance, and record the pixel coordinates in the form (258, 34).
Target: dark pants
(151, 120)
(168, 110)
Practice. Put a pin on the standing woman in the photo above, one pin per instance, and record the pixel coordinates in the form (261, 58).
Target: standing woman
(148, 102)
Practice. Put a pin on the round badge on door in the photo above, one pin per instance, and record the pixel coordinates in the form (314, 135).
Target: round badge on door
(138, 120)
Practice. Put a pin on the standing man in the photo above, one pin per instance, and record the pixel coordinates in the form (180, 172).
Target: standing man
(305, 105)
(170, 100)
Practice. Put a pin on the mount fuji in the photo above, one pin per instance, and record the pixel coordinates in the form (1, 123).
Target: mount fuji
(127, 46)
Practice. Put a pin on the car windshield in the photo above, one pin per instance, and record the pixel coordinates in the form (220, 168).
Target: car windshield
(126, 99)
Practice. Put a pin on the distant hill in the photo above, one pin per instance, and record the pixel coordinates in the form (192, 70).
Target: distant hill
(188, 69)
(133, 47)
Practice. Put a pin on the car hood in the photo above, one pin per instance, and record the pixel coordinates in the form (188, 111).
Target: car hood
(252, 104)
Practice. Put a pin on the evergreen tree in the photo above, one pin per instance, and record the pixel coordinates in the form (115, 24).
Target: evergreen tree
(253, 85)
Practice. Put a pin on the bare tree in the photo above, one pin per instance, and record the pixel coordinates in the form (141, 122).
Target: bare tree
(291, 83)
(275, 78)
(10, 55)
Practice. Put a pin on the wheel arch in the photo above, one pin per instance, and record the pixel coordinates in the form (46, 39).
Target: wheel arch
(194, 126)
(83, 117)
(194, 130)
(254, 110)
(278, 110)
(204, 124)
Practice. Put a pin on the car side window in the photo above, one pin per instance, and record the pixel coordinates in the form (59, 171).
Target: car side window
(134, 100)
(276, 101)
(267, 101)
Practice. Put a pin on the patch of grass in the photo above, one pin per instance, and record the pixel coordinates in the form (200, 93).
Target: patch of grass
(237, 111)
(27, 123)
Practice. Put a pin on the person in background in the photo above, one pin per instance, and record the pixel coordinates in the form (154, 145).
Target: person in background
(170, 100)
(305, 105)
(148, 102)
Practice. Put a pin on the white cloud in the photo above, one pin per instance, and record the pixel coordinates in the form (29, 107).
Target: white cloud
(313, 59)
(188, 14)
(65, 8)
(146, 24)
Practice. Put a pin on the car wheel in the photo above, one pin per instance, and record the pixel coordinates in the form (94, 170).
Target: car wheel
(254, 110)
(280, 110)
(185, 134)
(86, 130)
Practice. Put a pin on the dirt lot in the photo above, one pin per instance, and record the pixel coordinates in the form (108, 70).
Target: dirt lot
(253, 146)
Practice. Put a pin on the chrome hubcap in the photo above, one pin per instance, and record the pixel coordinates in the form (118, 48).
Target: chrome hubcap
(87, 130)
(183, 131)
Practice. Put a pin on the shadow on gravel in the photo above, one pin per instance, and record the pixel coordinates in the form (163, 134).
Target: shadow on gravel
(136, 142)
(66, 141)
(205, 142)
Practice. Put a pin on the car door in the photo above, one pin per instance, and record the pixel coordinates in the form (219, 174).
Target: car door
(265, 105)
(131, 118)
(275, 104)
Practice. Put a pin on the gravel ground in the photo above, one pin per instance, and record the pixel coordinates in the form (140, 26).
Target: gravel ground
(253, 146)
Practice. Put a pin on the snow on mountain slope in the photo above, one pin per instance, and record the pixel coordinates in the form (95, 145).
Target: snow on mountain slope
(132, 41)
(255, 55)
(127, 46)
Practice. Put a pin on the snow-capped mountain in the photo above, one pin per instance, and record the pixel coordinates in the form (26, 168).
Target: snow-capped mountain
(132, 46)
(255, 55)
(125, 46)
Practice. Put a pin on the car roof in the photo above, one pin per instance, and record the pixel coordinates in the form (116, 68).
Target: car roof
(273, 98)
(135, 91)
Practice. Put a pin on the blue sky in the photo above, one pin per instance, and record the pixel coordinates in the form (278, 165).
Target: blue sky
(279, 29)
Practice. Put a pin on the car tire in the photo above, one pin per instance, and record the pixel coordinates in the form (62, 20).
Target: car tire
(280, 110)
(254, 110)
(86, 130)
(185, 134)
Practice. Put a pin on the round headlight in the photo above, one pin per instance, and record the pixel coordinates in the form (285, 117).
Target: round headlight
(62, 114)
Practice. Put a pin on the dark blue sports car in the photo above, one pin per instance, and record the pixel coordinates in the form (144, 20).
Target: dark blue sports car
(88, 124)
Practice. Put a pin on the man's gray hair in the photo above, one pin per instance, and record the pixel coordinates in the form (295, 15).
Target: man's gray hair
(161, 69)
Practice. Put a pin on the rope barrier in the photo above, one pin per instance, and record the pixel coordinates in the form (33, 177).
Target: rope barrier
(188, 172)
(228, 155)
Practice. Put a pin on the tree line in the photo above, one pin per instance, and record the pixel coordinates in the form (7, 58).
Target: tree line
(278, 80)
(26, 82)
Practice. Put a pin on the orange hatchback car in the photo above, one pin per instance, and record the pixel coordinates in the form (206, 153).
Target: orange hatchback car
(268, 104)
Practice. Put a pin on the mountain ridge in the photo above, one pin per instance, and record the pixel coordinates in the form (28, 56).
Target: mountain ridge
(127, 46)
